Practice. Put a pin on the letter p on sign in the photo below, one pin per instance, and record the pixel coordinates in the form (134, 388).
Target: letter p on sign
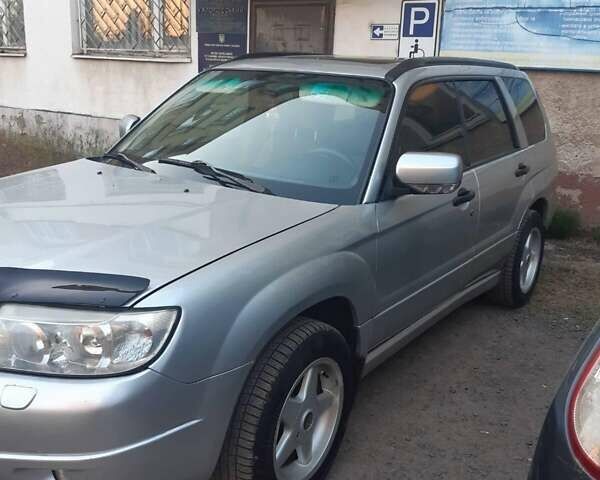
(418, 16)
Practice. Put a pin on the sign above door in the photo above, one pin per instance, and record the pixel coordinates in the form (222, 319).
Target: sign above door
(222, 31)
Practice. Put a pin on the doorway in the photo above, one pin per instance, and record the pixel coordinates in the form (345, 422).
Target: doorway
(292, 26)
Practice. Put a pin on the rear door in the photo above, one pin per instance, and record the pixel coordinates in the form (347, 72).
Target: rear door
(424, 241)
(493, 155)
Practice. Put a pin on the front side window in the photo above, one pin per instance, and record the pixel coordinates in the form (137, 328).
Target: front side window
(431, 121)
(305, 136)
(12, 27)
(489, 134)
(151, 28)
(528, 109)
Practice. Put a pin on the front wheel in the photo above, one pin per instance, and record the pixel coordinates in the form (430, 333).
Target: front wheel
(291, 416)
(522, 268)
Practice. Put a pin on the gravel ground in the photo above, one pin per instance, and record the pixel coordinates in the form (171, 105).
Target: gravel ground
(468, 398)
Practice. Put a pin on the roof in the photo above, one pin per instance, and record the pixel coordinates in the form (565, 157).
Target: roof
(384, 68)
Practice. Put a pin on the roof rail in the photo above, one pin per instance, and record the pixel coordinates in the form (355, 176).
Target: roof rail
(412, 63)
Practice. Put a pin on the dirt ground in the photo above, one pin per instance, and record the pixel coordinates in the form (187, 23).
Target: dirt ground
(467, 399)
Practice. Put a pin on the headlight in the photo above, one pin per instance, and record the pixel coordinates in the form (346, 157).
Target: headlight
(63, 341)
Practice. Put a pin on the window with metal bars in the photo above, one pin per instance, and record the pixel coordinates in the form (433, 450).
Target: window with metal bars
(12, 27)
(149, 28)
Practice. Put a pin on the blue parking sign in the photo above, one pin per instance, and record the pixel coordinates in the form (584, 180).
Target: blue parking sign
(419, 19)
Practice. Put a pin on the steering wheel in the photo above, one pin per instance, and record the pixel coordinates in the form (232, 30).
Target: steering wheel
(323, 151)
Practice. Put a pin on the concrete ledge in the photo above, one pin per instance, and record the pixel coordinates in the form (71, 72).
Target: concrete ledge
(80, 56)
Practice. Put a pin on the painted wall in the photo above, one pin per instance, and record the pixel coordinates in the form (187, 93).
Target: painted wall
(352, 27)
(48, 78)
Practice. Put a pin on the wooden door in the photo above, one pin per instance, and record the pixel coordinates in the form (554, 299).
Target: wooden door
(294, 26)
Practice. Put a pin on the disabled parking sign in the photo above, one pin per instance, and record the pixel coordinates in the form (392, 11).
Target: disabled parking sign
(419, 29)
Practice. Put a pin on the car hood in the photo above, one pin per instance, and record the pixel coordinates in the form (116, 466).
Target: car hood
(85, 216)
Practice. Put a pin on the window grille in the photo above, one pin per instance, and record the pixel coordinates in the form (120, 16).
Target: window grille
(157, 28)
(12, 26)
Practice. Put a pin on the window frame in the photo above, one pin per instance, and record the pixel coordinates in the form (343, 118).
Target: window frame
(80, 51)
(509, 120)
(20, 49)
(517, 115)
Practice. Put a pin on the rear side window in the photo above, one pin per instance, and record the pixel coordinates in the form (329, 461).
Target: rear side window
(431, 121)
(489, 133)
(528, 108)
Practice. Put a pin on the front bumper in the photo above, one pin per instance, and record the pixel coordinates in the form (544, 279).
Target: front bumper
(143, 426)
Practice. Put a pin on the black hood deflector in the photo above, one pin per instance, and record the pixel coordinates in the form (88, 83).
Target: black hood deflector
(22, 285)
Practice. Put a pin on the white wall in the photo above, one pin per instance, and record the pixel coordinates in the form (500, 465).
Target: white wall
(48, 78)
(352, 27)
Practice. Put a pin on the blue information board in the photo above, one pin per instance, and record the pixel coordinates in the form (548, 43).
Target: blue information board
(559, 34)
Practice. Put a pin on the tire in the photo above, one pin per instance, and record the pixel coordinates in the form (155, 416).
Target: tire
(511, 291)
(277, 380)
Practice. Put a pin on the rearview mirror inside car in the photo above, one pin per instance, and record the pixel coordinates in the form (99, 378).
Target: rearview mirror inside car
(429, 172)
(127, 123)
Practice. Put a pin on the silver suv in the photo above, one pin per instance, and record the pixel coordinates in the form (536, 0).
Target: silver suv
(202, 299)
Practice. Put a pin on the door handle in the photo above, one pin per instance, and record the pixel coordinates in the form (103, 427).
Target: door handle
(522, 170)
(464, 196)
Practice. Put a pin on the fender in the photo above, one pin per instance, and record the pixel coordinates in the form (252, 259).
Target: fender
(342, 274)
(233, 307)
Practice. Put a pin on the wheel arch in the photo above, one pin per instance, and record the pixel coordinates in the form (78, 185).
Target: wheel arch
(338, 290)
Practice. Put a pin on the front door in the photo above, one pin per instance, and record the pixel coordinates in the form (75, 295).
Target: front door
(293, 26)
(425, 241)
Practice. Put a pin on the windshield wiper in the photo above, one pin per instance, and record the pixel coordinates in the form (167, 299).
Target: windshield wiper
(223, 177)
(121, 157)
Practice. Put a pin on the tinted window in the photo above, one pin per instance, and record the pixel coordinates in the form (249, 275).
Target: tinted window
(431, 121)
(307, 136)
(528, 107)
(489, 134)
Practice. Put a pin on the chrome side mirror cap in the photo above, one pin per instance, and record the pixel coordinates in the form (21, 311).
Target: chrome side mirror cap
(127, 123)
(430, 173)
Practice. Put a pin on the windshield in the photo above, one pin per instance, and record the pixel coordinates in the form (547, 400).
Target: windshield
(306, 136)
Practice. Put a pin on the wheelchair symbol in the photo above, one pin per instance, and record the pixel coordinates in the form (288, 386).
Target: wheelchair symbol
(416, 52)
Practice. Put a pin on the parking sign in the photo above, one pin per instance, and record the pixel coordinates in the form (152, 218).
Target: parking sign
(419, 28)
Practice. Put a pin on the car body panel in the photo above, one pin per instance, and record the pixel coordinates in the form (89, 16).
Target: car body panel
(554, 459)
(84, 216)
(138, 426)
(417, 266)
(331, 256)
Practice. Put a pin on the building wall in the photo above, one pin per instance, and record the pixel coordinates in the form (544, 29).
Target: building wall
(49, 98)
(352, 27)
(48, 78)
(572, 101)
(56, 107)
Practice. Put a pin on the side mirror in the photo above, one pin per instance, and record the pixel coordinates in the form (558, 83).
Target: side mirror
(430, 173)
(127, 123)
